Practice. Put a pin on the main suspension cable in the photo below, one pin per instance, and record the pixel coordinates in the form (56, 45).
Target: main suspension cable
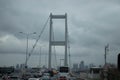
(38, 39)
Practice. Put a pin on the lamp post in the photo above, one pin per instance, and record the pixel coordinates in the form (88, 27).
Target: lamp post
(27, 35)
(40, 56)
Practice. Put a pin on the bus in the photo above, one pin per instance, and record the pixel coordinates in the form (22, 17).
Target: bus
(64, 69)
(64, 73)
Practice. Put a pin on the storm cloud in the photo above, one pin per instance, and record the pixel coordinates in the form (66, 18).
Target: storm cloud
(91, 24)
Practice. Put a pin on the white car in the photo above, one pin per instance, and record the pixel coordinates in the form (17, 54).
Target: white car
(34, 79)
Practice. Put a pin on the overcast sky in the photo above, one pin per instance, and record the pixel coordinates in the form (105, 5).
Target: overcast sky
(92, 24)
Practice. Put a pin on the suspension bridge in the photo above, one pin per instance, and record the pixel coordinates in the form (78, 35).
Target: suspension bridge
(52, 42)
(64, 71)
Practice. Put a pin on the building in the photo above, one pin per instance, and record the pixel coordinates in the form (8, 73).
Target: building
(91, 65)
(75, 67)
(6, 70)
(81, 66)
(17, 66)
(22, 66)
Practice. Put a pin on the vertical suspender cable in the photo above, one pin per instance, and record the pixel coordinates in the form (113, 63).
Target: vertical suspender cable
(69, 51)
(54, 49)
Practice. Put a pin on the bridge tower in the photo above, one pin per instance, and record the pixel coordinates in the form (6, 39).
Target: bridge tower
(57, 43)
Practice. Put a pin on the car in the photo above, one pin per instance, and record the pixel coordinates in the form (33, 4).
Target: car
(14, 78)
(46, 76)
(34, 79)
(27, 76)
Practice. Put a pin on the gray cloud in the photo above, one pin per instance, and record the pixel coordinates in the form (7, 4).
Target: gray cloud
(92, 24)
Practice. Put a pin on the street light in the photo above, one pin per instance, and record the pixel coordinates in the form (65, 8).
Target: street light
(27, 35)
(40, 55)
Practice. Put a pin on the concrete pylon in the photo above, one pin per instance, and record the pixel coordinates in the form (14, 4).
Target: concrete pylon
(57, 43)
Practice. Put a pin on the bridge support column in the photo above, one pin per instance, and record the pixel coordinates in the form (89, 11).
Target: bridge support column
(57, 43)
